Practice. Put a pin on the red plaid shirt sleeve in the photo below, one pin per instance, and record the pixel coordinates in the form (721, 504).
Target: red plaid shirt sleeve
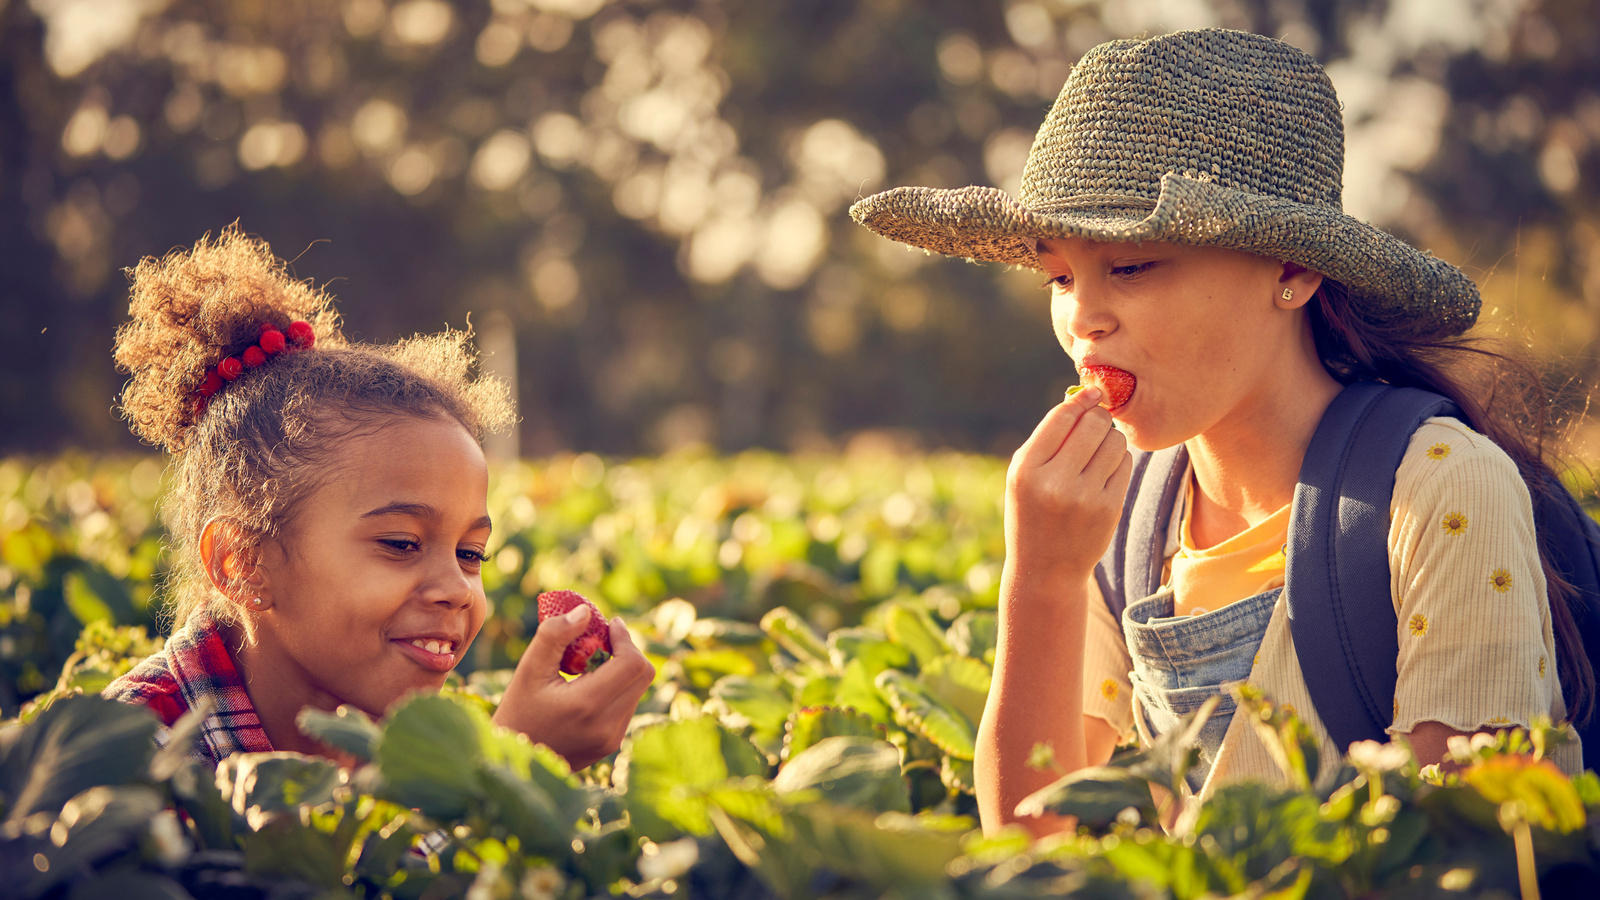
(195, 666)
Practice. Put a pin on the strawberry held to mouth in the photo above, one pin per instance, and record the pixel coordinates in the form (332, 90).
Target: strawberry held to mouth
(593, 647)
(1115, 385)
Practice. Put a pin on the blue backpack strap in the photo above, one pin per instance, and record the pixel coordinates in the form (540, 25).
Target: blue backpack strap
(1131, 566)
(1341, 610)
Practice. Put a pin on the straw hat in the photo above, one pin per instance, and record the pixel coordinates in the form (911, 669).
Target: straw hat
(1214, 138)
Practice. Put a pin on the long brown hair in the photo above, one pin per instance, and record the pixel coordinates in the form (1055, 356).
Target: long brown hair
(1500, 396)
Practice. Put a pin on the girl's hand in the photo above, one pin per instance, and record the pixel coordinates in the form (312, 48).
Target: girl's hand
(1064, 492)
(584, 719)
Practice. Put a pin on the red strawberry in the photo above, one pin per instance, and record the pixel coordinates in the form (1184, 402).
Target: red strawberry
(593, 647)
(1115, 384)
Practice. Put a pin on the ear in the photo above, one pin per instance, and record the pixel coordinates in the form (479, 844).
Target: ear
(232, 566)
(1296, 286)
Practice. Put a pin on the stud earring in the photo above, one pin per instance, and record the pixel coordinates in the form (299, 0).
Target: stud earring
(256, 603)
(1288, 294)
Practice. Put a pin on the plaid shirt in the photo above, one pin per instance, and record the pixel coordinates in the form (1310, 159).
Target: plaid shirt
(195, 667)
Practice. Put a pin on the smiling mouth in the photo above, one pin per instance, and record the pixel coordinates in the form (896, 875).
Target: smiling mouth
(430, 653)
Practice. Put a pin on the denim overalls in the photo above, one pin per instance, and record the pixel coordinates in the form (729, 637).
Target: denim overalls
(1181, 662)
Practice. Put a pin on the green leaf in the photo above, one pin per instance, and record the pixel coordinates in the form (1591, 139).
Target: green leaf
(960, 681)
(858, 690)
(795, 636)
(180, 740)
(78, 743)
(346, 729)
(284, 848)
(808, 726)
(1095, 795)
(912, 628)
(276, 782)
(704, 667)
(662, 769)
(523, 808)
(761, 700)
(1169, 758)
(1542, 792)
(93, 595)
(849, 771)
(775, 860)
(123, 885)
(92, 825)
(1287, 739)
(958, 775)
(975, 633)
(428, 756)
(710, 632)
(890, 850)
(880, 569)
(194, 787)
(917, 709)
(870, 646)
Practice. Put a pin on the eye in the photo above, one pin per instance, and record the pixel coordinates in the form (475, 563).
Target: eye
(1131, 269)
(404, 545)
(475, 557)
(1059, 281)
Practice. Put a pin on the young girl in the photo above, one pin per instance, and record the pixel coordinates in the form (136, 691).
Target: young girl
(1183, 198)
(328, 513)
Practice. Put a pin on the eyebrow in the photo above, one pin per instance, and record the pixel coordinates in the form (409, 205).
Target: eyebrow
(420, 511)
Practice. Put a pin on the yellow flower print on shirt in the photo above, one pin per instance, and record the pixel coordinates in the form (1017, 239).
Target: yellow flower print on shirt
(1498, 720)
(1541, 667)
(1500, 580)
(1418, 625)
(1454, 523)
(1438, 451)
(1108, 689)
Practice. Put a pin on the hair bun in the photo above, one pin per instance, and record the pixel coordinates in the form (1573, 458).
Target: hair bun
(195, 308)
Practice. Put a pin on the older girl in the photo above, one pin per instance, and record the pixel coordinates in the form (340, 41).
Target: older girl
(1183, 199)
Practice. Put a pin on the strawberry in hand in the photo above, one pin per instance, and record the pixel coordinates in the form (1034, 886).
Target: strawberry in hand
(593, 647)
(1116, 386)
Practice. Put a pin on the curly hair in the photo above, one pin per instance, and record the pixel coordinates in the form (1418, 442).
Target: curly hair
(252, 454)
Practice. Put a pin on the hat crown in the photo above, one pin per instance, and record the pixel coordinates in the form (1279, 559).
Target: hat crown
(1240, 110)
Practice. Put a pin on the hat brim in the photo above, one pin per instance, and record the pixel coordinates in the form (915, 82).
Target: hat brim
(1388, 280)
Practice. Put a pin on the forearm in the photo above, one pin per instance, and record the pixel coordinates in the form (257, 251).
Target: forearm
(1036, 696)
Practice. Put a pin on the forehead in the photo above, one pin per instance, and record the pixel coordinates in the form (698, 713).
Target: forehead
(408, 458)
(1068, 246)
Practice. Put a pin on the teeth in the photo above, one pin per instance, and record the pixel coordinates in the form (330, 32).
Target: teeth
(434, 646)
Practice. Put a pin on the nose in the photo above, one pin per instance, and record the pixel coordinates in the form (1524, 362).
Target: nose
(1080, 313)
(448, 585)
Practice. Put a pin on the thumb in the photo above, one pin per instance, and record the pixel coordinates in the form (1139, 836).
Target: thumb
(550, 641)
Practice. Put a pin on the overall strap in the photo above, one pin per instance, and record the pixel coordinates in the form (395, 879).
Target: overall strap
(1340, 605)
(1131, 567)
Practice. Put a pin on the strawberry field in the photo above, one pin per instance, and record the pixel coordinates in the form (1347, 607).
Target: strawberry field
(823, 630)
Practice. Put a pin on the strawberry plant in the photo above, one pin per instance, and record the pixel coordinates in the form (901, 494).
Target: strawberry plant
(823, 632)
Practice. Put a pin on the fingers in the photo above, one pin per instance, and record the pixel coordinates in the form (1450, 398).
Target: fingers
(1056, 426)
(1109, 456)
(627, 673)
(543, 656)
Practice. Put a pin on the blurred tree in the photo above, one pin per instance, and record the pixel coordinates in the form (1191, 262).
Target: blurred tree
(652, 192)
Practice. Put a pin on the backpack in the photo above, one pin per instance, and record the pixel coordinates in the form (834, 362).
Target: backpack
(1340, 611)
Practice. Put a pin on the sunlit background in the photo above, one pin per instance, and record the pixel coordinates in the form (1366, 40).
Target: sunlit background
(639, 205)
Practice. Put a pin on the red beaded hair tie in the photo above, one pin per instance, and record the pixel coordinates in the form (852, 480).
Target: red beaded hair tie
(298, 336)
